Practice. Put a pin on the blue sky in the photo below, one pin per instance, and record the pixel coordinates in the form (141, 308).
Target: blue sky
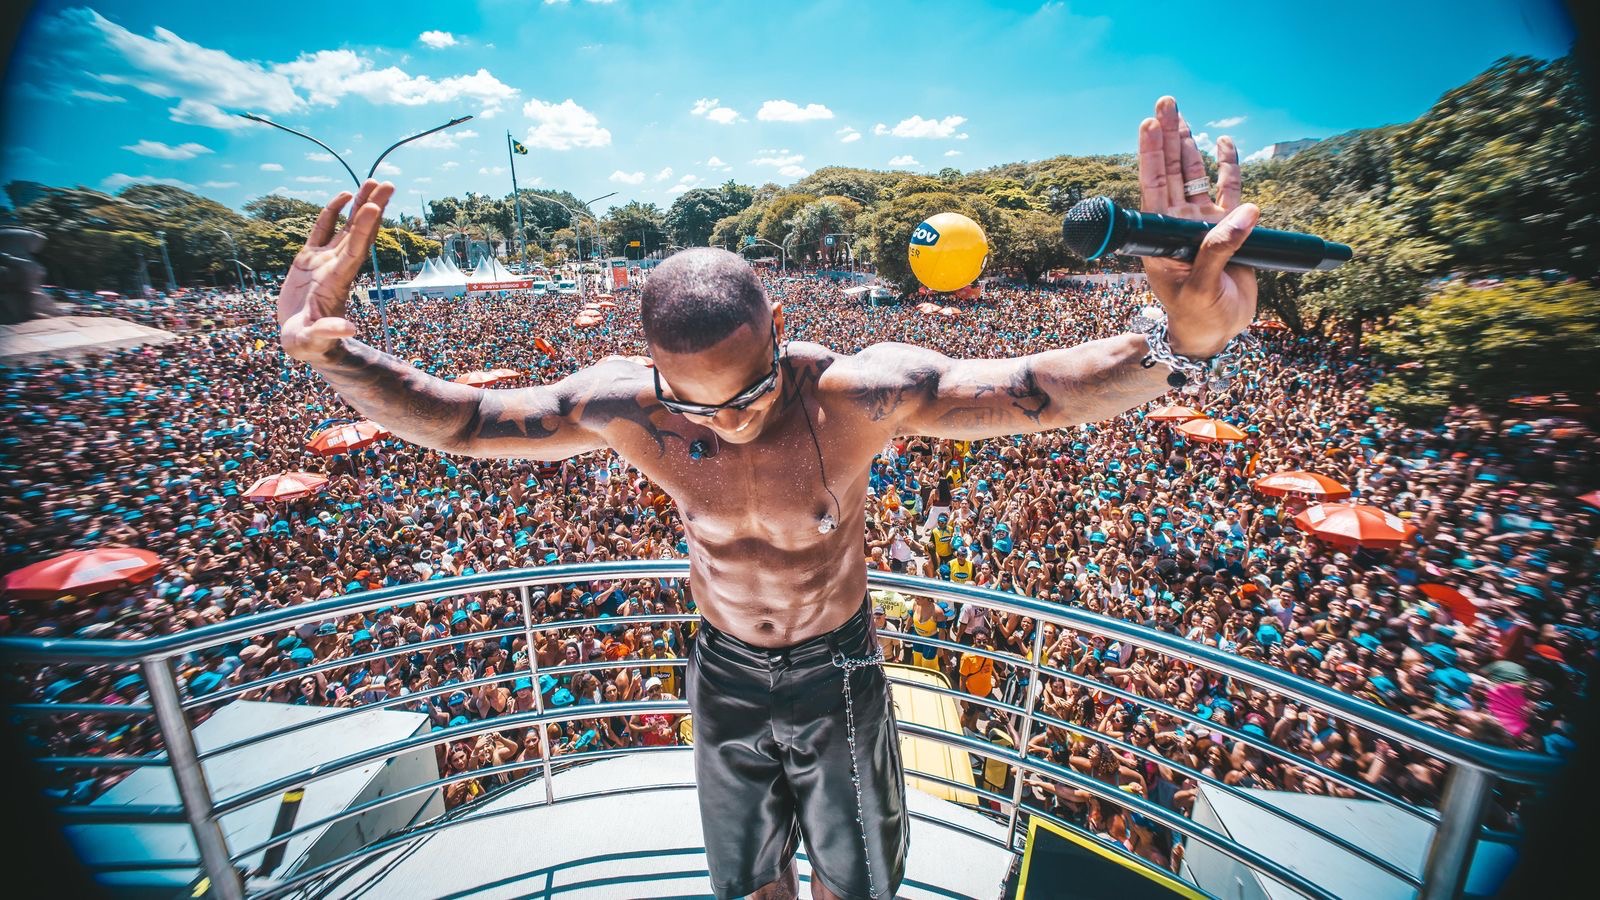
(651, 97)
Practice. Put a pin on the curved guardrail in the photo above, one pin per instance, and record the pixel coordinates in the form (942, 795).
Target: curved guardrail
(1475, 768)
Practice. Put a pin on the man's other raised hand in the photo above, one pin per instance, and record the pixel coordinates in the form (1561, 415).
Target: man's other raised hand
(312, 302)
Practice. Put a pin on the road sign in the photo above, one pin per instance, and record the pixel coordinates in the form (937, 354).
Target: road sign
(749, 240)
(828, 241)
(633, 243)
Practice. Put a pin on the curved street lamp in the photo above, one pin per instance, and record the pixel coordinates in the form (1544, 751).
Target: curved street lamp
(377, 274)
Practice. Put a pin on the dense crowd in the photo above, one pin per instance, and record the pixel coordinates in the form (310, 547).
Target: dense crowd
(154, 447)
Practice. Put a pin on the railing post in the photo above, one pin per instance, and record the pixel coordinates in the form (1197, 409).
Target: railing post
(193, 791)
(1466, 795)
(1027, 730)
(538, 695)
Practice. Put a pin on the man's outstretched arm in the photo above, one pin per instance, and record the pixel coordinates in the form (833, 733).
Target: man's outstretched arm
(1207, 303)
(544, 422)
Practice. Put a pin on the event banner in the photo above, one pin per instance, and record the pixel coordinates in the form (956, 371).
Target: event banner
(498, 286)
(619, 277)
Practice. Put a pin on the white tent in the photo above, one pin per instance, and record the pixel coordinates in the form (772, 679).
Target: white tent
(489, 269)
(436, 279)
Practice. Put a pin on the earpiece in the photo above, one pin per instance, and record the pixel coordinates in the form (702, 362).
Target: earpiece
(697, 450)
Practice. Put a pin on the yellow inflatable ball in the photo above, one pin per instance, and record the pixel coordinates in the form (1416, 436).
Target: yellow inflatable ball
(947, 252)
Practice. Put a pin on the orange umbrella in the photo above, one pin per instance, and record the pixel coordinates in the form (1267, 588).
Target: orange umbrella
(927, 308)
(477, 379)
(505, 374)
(344, 438)
(1210, 431)
(1269, 326)
(286, 486)
(1175, 414)
(1354, 525)
(608, 304)
(544, 346)
(1592, 498)
(1311, 484)
(949, 312)
(1461, 607)
(80, 573)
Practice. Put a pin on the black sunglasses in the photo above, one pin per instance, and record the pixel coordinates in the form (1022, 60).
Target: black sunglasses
(740, 400)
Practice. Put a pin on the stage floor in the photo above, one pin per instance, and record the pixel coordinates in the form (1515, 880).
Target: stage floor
(640, 843)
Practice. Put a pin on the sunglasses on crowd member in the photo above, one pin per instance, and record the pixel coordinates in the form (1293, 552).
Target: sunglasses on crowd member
(741, 400)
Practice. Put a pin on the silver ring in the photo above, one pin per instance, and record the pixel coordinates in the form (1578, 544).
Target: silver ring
(1197, 186)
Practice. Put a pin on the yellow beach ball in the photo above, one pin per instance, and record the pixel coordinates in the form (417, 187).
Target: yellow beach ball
(947, 251)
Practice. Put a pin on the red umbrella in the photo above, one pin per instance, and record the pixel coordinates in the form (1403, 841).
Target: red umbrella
(1354, 525)
(506, 374)
(1210, 431)
(1460, 605)
(82, 572)
(1269, 326)
(1592, 498)
(1175, 414)
(949, 312)
(927, 308)
(477, 379)
(286, 486)
(544, 346)
(344, 438)
(607, 303)
(1280, 484)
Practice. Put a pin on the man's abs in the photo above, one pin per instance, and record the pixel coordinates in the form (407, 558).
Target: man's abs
(769, 598)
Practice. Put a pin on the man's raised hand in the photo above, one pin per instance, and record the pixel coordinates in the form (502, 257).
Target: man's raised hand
(1207, 301)
(311, 304)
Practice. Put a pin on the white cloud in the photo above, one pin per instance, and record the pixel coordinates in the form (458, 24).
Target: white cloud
(447, 165)
(119, 181)
(387, 169)
(301, 193)
(97, 96)
(621, 177)
(423, 180)
(194, 112)
(220, 184)
(327, 76)
(563, 126)
(689, 179)
(918, 127)
(492, 170)
(313, 179)
(848, 135)
(449, 139)
(952, 153)
(1229, 122)
(169, 66)
(271, 167)
(712, 109)
(159, 150)
(905, 160)
(777, 158)
(678, 189)
(1263, 153)
(1204, 142)
(319, 156)
(718, 165)
(788, 111)
(437, 39)
(794, 172)
(666, 173)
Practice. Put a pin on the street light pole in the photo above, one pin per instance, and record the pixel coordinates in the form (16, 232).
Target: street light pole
(377, 274)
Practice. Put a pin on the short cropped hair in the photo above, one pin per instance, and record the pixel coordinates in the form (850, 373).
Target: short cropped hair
(696, 298)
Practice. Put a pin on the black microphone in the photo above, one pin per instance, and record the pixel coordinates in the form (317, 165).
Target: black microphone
(1096, 226)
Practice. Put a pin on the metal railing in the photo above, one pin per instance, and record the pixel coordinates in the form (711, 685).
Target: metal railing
(1475, 768)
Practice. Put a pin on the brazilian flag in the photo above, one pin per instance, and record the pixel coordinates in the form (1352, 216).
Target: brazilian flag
(519, 148)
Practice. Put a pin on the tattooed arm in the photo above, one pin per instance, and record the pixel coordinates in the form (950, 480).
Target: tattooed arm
(920, 391)
(548, 422)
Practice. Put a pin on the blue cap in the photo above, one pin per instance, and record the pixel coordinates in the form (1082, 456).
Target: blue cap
(460, 720)
(523, 684)
(562, 697)
(362, 635)
(128, 681)
(457, 617)
(302, 655)
(204, 683)
(547, 683)
(457, 698)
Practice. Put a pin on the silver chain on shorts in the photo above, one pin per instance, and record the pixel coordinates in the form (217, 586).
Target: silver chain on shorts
(850, 664)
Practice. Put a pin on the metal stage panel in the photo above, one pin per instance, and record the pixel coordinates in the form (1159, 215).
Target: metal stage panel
(642, 840)
(238, 770)
(1387, 832)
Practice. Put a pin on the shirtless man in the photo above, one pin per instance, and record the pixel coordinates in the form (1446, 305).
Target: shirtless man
(766, 446)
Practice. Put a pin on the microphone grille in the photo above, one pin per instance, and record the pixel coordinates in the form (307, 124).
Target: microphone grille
(1087, 225)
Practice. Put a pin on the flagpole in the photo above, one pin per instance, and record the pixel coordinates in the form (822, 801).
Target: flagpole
(516, 200)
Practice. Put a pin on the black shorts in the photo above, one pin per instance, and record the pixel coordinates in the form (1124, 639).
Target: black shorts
(774, 763)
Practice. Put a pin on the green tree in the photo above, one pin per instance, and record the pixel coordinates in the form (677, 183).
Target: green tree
(634, 221)
(1032, 245)
(695, 213)
(277, 208)
(1487, 345)
(884, 232)
(777, 219)
(1389, 269)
